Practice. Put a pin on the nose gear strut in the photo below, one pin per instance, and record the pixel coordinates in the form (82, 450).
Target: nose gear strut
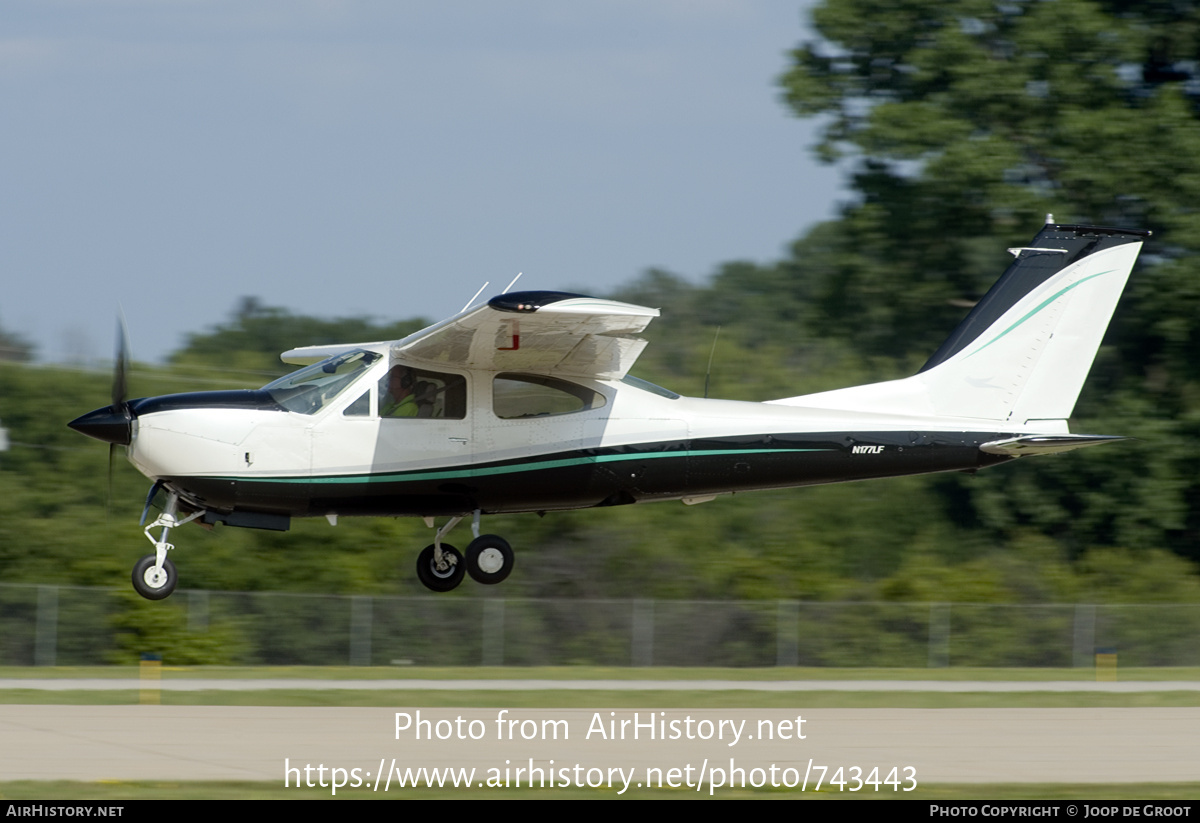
(154, 576)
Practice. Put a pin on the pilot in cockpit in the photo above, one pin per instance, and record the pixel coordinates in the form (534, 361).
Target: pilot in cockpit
(397, 397)
(401, 394)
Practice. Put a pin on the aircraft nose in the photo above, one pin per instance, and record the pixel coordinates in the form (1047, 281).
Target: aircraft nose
(107, 424)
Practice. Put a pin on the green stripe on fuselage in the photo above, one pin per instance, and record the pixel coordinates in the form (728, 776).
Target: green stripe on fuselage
(532, 465)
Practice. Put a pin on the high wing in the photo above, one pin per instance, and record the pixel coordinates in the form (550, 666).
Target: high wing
(537, 331)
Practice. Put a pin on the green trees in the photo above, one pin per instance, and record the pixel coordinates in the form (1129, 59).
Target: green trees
(256, 334)
(14, 348)
(965, 123)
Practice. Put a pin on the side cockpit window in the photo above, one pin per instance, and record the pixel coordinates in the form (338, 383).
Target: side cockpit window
(360, 407)
(418, 393)
(515, 396)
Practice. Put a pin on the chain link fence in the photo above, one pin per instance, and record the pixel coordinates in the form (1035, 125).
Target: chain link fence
(72, 625)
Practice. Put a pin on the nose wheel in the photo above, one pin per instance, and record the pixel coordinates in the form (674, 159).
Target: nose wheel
(152, 581)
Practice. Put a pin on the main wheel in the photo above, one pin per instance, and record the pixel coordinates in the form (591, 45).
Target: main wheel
(445, 578)
(489, 559)
(152, 583)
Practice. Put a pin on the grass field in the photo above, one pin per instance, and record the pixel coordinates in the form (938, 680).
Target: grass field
(1026, 675)
(678, 696)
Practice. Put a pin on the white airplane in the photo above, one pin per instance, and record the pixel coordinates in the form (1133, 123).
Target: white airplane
(526, 404)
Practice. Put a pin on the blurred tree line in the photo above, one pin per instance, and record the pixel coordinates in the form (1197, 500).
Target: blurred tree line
(962, 124)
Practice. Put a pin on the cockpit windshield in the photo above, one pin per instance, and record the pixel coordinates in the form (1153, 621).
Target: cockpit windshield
(308, 391)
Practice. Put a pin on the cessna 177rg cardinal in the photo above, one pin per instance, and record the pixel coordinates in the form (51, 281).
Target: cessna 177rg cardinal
(526, 404)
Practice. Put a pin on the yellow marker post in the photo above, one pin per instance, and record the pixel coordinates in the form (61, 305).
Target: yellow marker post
(150, 672)
(1106, 665)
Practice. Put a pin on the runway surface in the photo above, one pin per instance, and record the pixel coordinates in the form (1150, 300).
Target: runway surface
(1105, 745)
(621, 747)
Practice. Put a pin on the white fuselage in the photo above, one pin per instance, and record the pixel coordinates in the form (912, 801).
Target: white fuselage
(254, 445)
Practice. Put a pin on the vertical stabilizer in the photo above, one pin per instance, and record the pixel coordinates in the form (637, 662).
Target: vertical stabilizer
(1024, 351)
(1020, 357)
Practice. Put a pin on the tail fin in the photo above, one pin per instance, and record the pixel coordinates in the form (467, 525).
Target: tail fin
(1024, 351)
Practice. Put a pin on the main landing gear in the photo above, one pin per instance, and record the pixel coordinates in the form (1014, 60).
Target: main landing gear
(440, 566)
(154, 576)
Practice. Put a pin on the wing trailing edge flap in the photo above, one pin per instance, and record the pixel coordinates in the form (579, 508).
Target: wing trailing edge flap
(567, 335)
(547, 332)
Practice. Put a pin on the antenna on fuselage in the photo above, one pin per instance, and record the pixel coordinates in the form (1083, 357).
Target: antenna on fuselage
(513, 283)
(711, 354)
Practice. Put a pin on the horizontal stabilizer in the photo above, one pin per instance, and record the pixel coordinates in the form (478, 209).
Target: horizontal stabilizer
(1046, 443)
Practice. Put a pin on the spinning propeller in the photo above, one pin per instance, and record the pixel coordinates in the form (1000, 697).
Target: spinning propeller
(120, 388)
(114, 423)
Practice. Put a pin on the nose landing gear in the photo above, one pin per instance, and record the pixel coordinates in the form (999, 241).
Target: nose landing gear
(154, 576)
(152, 581)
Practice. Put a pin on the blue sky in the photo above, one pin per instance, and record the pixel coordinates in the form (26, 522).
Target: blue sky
(382, 158)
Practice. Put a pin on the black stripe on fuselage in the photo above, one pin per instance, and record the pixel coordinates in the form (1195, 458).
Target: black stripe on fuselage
(587, 478)
(255, 399)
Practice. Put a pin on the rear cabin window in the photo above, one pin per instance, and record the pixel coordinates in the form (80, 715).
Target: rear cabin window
(517, 396)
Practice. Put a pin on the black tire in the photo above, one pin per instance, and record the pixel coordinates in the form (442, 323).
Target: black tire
(489, 559)
(145, 584)
(440, 580)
